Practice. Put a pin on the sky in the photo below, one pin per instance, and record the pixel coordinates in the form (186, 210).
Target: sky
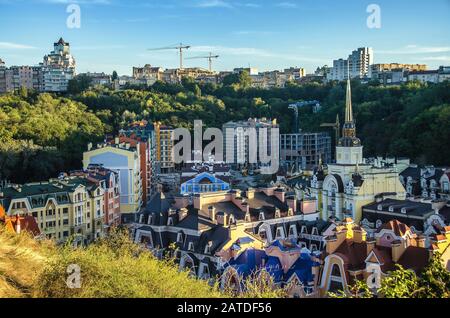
(265, 34)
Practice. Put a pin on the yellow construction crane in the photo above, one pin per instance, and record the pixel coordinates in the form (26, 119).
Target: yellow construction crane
(209, 57)
(179, 47)
(336, 126)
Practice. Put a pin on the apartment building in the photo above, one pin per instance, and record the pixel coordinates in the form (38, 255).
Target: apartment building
(164, 146)
(16, 77)
(358, 65)
(241, 146)
(108, 180)
(304, 150)
(73, 207)
(58, 68)
(124, 159)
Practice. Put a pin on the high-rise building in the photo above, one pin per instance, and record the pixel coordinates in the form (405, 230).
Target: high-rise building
(359, 62)
(302, 151)
(164, 145)
(241, 148)
(58, 68)
(357, 65)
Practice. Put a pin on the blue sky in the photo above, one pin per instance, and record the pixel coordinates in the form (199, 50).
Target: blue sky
(267, 34)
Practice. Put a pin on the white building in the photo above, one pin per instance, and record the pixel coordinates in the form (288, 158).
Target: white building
(358, 64)
(241, 145)
(58, 68)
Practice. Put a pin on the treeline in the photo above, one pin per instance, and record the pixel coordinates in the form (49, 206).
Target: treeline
(41, 135)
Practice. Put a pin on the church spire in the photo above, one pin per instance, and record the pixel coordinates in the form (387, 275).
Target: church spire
(348, 103)
(349, 138)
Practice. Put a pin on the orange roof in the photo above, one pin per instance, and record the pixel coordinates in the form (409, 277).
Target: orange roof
(396, 226)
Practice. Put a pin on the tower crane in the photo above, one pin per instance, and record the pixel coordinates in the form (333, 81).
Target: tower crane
(179, 47)
(297, 106)
(335, 126)
(209, 57)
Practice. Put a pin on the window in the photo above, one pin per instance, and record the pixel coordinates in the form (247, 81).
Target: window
(170, 221)
(208, 248)
(191, 246)
(378, 223)
(261, 216)
(180, 238)
(280, 233)
(293, 231)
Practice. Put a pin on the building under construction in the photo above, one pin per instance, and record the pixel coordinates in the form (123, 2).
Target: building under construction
(303, 151)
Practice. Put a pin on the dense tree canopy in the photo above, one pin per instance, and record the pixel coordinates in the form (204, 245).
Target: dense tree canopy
(46, 134)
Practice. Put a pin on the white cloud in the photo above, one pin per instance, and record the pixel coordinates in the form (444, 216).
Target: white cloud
(213, 4)
(15, 46)
(416, 49)
(286, 5)
(443, 58)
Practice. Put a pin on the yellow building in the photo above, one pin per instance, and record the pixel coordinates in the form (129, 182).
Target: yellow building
(61, 208)
(125, 160)
(351, 183)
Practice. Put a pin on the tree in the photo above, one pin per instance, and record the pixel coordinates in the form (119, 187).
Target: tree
(114, 76)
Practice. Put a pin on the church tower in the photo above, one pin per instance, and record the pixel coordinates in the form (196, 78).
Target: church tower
(349, 149)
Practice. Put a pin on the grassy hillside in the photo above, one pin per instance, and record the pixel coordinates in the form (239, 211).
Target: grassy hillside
(112, 268)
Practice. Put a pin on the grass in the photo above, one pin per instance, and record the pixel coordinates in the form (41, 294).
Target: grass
(113, 267)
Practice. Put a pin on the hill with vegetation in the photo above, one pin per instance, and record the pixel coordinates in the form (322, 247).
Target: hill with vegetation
(113, 267)
(42, 134)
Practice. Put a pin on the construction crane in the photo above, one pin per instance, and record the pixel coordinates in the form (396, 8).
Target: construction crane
(179, 47)
(335, 126)
(209, 57)
(296, 107)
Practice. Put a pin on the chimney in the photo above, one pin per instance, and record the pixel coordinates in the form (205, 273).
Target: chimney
(250, 193)
(398, 247)
(292, 203)
(18, 229)
(280, 194)
(359, 234)
(333, 242)
(420, 241)
(370, 243)
(127, 146)
(89, 146)
(116, 140)
(212, 213)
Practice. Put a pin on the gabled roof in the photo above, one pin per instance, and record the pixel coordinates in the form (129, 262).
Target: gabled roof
(400, 229)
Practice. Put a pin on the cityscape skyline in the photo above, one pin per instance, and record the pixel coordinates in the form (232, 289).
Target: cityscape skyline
(129, 30)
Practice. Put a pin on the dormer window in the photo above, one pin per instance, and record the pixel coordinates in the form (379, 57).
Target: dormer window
(380, 207)
(141, 218)
(293, 231)
(280, 233)
(149, 221)
(191, 246)
(208, 248)
(277, 213)
(403, 210)
(315, 231)
(378, 223)
(391, 208)
(247, 217)
(180, 238)
(232, 220)
(170, 221)
(261, 216)
(304, 230)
